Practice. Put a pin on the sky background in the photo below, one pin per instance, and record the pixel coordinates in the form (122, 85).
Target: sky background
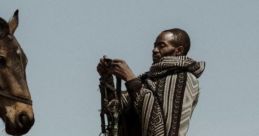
(64, 39)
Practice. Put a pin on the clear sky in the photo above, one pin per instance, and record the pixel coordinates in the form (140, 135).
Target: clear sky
(64, 39)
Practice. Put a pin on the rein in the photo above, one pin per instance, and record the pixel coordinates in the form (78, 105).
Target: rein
(16, 98)
(111, 114)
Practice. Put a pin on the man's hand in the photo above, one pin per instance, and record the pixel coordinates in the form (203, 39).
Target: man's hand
(103, 68)
(122, 70)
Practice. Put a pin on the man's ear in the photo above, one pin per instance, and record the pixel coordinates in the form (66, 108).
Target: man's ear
(179, 50)
(13, 22)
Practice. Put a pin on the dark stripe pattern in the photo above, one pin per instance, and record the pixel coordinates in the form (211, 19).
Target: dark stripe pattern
(177, 103)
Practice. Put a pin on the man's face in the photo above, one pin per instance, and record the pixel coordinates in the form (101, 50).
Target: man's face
(163, 46)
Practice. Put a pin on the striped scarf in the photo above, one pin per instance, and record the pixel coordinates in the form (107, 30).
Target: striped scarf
(165, 113)
(172, 63)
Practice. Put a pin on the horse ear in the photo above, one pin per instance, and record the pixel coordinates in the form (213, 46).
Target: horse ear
(13, 22)
(4, 28)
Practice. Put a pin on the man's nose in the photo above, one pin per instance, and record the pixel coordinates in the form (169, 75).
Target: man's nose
(155, 50)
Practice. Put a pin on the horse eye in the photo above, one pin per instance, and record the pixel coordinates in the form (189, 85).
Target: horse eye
(2, 62)
(2, 35)
(3, 28)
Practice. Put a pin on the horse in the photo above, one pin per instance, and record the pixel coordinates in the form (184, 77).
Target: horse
(15, 100)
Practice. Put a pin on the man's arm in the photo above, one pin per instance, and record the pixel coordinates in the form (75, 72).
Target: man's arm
(134, 88)
(104, 68)
(133, 84)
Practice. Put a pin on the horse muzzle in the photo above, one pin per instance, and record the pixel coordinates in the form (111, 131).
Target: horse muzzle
(22, 124)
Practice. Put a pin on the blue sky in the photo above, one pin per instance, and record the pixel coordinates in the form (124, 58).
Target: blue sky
(64, 40)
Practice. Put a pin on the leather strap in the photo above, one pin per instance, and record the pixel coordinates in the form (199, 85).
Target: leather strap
(16, 98)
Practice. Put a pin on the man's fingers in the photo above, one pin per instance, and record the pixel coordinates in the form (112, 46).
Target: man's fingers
(116, 64)
(101, 60)
(100, 68)
(118, 61)
(116, 72)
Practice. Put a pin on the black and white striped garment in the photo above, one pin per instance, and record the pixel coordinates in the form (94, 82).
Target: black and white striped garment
(167, 96)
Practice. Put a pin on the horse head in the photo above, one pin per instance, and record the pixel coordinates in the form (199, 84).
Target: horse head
(15, 99)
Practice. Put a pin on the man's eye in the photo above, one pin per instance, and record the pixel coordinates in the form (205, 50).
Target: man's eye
(160, 45)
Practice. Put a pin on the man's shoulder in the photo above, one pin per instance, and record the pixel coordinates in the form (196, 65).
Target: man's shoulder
(190, 76)
(192, 80)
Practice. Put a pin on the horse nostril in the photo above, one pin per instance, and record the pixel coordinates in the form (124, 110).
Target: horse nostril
(25, 121)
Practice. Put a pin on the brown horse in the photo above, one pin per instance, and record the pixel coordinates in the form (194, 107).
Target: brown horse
(15, 99)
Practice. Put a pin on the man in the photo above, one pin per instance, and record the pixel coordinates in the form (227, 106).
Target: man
(161, 101)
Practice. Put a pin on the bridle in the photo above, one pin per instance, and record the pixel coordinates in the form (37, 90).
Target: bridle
(16, 98)
(7, 95)
(4, 26)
